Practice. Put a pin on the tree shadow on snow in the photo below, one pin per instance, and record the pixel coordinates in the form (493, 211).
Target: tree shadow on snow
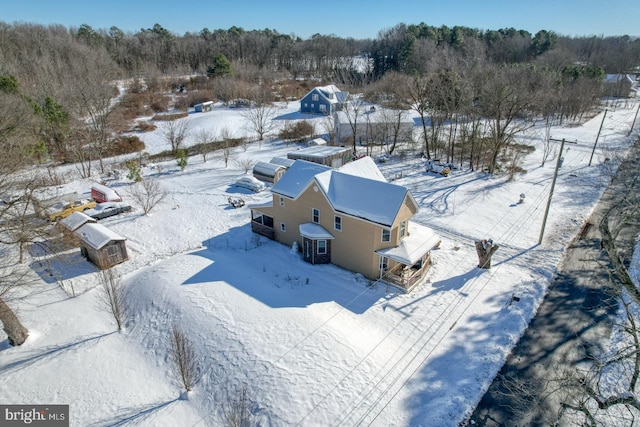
(51, 351)
(135, 415)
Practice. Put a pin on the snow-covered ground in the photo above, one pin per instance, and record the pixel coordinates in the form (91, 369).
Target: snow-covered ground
(315, 345)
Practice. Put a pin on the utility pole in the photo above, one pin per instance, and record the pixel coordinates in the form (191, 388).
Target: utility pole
(553, 185)
(634, 120)
(597, 136)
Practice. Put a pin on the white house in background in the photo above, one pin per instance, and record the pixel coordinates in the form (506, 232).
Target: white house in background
(323, 100)
(351, 217)
(373, 125)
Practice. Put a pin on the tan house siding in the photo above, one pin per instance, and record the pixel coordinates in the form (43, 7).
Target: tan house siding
(353, 247)
(296, 212)
(355, 244)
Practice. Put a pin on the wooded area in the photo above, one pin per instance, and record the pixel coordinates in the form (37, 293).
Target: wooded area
(474, 90)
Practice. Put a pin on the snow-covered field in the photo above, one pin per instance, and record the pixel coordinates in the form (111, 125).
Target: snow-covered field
(315, 345)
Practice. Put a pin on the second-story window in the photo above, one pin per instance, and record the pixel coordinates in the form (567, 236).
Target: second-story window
(315, 215)
(386, 235)
(281, 201)
(337, 223)
(314, 97)
(403, 228)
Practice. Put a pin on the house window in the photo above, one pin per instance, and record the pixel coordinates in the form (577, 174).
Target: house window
(315, 215)
(314, 97)
(384, 263)
(323, 108)
(403, 228)
(322, 246)
(386, 235)
(281, 201)
(262, 219)
(283, 227)
(337, 223)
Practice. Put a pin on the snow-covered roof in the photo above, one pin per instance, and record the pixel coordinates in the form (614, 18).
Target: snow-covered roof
(331, 93)
(357, 188)
(617, 78)
(319, 151)
(314, 231)
(108, 192)
(364, 167)
(378, 115)
(282, 161)
(97, 235)
(420, 240)
(363, 197)
(267, 169)
(76, 220)
(297, 178)
(317, 141)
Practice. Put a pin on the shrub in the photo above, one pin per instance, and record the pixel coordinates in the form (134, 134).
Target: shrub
(125, 145)
(169, 117)
(134, 171)
(297, 131)
(145, 127)
(181, 159)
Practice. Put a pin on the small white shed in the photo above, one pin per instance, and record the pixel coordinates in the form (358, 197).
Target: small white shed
(203, 107)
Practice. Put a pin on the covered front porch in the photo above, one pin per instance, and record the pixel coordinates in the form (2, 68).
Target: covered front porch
(407, 264)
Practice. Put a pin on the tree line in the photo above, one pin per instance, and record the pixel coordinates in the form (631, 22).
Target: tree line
(473, 90)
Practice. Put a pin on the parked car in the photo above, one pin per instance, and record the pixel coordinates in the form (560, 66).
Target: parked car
(436, 167)
(251, 183)
(107, 209)
(62, 210)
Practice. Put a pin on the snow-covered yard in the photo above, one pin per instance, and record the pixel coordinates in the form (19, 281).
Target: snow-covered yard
(316, 345)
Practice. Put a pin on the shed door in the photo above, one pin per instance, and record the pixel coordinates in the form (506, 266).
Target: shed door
(114, 254)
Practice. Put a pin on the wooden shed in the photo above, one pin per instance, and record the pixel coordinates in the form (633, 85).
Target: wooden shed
(268, 172)
(102, 246)
(70, 224)
(328, 156)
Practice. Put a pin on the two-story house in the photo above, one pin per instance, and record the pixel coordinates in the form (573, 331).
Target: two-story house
(351, 217)
(323, 100)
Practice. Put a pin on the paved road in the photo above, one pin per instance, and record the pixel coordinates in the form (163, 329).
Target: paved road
(572, 321)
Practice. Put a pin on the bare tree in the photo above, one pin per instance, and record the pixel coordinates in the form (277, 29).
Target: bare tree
(186, 367)
(175, 132)
(19, 224)
(227, 149)
(90, 92)
(245, 164)
(506, 95)
(260, 119)
(352, 112)
(148, 193)
(238, 408)
(205, 138)
(114, 296)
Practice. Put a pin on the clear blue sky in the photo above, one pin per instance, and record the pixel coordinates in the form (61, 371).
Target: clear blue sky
(345, 18)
